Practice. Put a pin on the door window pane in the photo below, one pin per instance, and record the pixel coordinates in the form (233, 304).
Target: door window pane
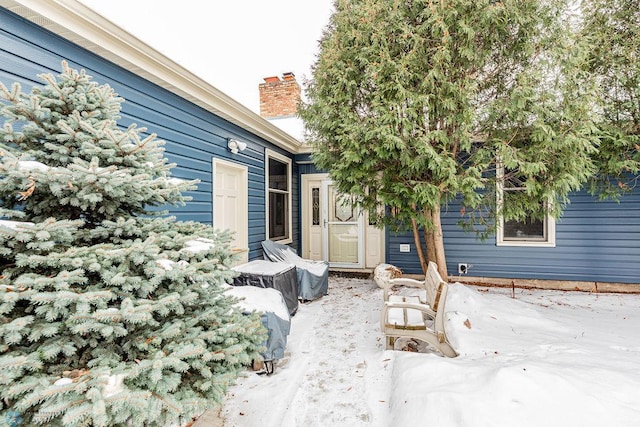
(343, 243)
(342, 208)
(315, 205)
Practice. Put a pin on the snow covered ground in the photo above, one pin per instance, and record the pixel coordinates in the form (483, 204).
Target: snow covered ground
(542, 358)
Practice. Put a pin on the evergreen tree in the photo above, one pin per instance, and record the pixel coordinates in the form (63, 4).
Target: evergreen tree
(413, 104)
(611, 27)
(110, 312)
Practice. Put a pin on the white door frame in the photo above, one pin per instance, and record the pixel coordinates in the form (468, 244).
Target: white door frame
(240, 243)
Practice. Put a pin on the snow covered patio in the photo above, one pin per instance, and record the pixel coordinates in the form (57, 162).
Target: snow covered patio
(543, 358)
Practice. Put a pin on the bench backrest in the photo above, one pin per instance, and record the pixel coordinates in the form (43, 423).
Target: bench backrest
(433, 284)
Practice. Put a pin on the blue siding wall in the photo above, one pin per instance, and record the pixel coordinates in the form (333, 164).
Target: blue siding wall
(193, 135)
(308, 168)
(595, 241)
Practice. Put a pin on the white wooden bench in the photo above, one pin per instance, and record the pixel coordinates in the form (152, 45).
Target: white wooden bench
(421, 316)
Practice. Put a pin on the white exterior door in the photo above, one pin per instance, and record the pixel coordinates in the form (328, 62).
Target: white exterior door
(342, 229)
(231, 204)
(312, 245)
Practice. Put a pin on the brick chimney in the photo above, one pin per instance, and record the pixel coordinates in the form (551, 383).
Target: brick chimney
(279, 98)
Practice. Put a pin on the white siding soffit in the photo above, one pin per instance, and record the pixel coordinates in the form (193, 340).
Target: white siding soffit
(79, 24)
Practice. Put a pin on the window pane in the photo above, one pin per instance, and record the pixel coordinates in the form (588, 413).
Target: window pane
(534, 228)
(343, 210)
(315, 203)
(278, 173)
(527, 229)
(512, 180)
(278, 216)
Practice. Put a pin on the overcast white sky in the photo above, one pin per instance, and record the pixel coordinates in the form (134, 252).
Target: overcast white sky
(231, 44)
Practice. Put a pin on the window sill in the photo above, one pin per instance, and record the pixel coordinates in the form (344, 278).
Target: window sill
(526, 244)
(283, 241)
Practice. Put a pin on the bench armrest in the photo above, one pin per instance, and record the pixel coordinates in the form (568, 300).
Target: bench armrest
(425, 310)
(411, 305)
(405, 281)
(387, 285)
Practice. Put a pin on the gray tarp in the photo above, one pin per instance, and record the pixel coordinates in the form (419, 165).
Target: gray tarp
(313, 276)
(277, 341)
(274, 316)
(265, 274)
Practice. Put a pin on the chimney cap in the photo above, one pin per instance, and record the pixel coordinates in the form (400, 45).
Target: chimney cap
(272, 79)
(288, 76)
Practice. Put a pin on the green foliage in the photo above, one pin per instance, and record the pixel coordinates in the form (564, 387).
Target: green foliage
(94, 169)
(412, 103)
(108, 316)
(611, 29)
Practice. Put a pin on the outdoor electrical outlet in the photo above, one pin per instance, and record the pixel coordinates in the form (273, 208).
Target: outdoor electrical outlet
(463, 268)
(405, 248)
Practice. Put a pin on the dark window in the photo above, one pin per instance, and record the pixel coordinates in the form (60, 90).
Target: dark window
(528, 229)
(279, 209)
(278, 175)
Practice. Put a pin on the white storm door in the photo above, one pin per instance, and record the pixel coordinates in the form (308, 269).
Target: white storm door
(342, 229)
(231, 204)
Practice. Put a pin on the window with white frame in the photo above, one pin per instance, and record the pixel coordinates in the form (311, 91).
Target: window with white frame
(278, 177)
(525, 232)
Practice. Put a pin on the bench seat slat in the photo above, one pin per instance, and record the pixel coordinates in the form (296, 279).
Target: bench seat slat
(404, 317)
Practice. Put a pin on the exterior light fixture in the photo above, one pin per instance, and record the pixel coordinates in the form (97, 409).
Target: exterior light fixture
(236, 146)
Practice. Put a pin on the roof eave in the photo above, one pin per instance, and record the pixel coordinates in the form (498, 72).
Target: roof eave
(79, 24)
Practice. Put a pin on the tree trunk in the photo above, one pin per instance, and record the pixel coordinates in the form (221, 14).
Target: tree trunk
(416, 240)
(434, 241)
(429, 240)
(438, 239)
